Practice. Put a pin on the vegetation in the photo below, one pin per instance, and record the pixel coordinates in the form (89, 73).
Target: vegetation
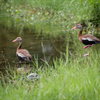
(70, 77)
(65, 80)
(51, 17)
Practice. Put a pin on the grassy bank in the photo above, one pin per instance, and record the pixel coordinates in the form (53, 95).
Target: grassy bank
(71, 77)
(50, 17)
(65, 80)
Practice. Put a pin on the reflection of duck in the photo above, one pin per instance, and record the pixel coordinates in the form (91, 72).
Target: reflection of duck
(23, 70)
(87, 39)
(22, 54)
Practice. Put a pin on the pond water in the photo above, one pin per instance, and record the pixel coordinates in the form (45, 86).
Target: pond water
(38, 46)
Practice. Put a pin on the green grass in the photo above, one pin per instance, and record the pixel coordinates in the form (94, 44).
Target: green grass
(69, 79)
(51, 17)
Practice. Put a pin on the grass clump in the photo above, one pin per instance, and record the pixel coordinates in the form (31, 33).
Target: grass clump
(51, 17)
(73, 79)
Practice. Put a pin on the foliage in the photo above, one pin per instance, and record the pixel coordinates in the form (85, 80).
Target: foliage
(73, 78)
(66, 79)
(45, 16)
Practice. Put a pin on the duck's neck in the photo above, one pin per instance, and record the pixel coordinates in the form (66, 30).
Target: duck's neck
(80, 32)
(20, 45)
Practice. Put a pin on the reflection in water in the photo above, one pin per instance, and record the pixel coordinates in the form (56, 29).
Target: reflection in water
(36, 45)
(47, 48)
(24, 70)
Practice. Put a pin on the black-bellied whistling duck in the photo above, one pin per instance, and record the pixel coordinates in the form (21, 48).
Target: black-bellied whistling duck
(87, 39)
(22, 54)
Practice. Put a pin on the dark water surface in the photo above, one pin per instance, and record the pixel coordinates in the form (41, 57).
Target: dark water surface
(39, 47)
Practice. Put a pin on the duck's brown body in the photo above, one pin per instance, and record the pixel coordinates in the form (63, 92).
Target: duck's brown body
(87, 39)
(22, 54)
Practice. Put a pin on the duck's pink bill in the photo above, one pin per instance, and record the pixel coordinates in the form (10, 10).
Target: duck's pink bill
(15, 40)
(74, 27)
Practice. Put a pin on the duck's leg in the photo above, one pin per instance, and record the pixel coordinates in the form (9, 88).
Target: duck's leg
(87, 55)
(20, 63)
(87, 46)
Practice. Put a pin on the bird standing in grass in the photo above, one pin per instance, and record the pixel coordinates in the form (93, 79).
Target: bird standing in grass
(22, 54)
(87, 39)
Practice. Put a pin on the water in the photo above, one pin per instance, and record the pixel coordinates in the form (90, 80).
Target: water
(38, 46)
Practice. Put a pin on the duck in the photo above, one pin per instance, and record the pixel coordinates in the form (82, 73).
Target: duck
(22, 54)
(87, 39)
